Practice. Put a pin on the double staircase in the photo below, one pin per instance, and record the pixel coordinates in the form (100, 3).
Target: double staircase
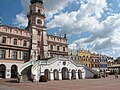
(25, 72)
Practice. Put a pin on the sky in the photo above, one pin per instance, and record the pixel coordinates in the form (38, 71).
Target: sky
(89, 24)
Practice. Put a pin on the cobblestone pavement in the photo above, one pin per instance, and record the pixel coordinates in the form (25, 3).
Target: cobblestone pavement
(109, 83)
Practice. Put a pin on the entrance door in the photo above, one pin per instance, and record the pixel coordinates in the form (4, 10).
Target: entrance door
(79, 74)
(73, 76)
(65, 73)
(2, 71)
(13, 71)
(47, 73)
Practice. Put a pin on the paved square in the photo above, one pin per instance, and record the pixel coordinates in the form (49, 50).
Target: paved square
(109, 83)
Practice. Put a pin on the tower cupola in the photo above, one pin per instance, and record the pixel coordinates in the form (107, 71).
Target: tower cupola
(34, 1)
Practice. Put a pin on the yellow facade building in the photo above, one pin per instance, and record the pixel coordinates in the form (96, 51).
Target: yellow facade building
(85, 58)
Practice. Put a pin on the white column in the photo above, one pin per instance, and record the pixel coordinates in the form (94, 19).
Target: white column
(51, 76)
(70, 74)
(8, 73)
(60, 76)
(76, 75)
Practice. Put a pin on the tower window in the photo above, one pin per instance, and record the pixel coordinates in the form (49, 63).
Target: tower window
(38, 10)
(38, 43)
(39, 21)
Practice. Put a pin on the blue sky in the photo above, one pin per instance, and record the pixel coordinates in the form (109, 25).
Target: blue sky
(89, 24)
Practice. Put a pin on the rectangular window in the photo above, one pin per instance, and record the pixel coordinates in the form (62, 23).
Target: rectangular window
(19, 54)
(3, 39)
(25, 43)
(25, 55)
(51, 47)
(15, 41)
(57, 48)
(63, 48)
(3, 54)
(14, 55)
(9, 53)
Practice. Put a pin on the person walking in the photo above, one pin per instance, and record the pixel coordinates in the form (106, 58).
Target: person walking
(116, 75)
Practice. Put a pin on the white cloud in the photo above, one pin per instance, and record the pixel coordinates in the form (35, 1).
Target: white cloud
(85, 19)
(105, 40)
(21, 20)
(54, 6)
(104, 34)
(72, 46)
(51, 7)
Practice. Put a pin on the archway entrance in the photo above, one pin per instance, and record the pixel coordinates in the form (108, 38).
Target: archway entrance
(79, 74)
(2, 71)
(56, 74)
(13, 71)
(73, 74)
(65, 73)
(47, 73)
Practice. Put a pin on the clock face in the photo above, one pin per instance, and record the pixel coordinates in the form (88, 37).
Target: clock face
(39, 21)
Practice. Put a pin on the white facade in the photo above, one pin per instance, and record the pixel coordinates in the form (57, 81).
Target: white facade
(55, 69)
(8, 68)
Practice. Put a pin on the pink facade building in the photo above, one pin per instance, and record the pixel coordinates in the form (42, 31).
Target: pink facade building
(21, 45)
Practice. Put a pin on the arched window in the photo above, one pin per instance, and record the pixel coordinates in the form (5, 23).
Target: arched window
(2, 71)
(13, 71)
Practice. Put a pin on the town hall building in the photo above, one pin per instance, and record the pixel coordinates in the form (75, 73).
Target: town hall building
(31, 52)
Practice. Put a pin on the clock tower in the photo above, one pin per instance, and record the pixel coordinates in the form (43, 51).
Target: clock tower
(36, 16)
